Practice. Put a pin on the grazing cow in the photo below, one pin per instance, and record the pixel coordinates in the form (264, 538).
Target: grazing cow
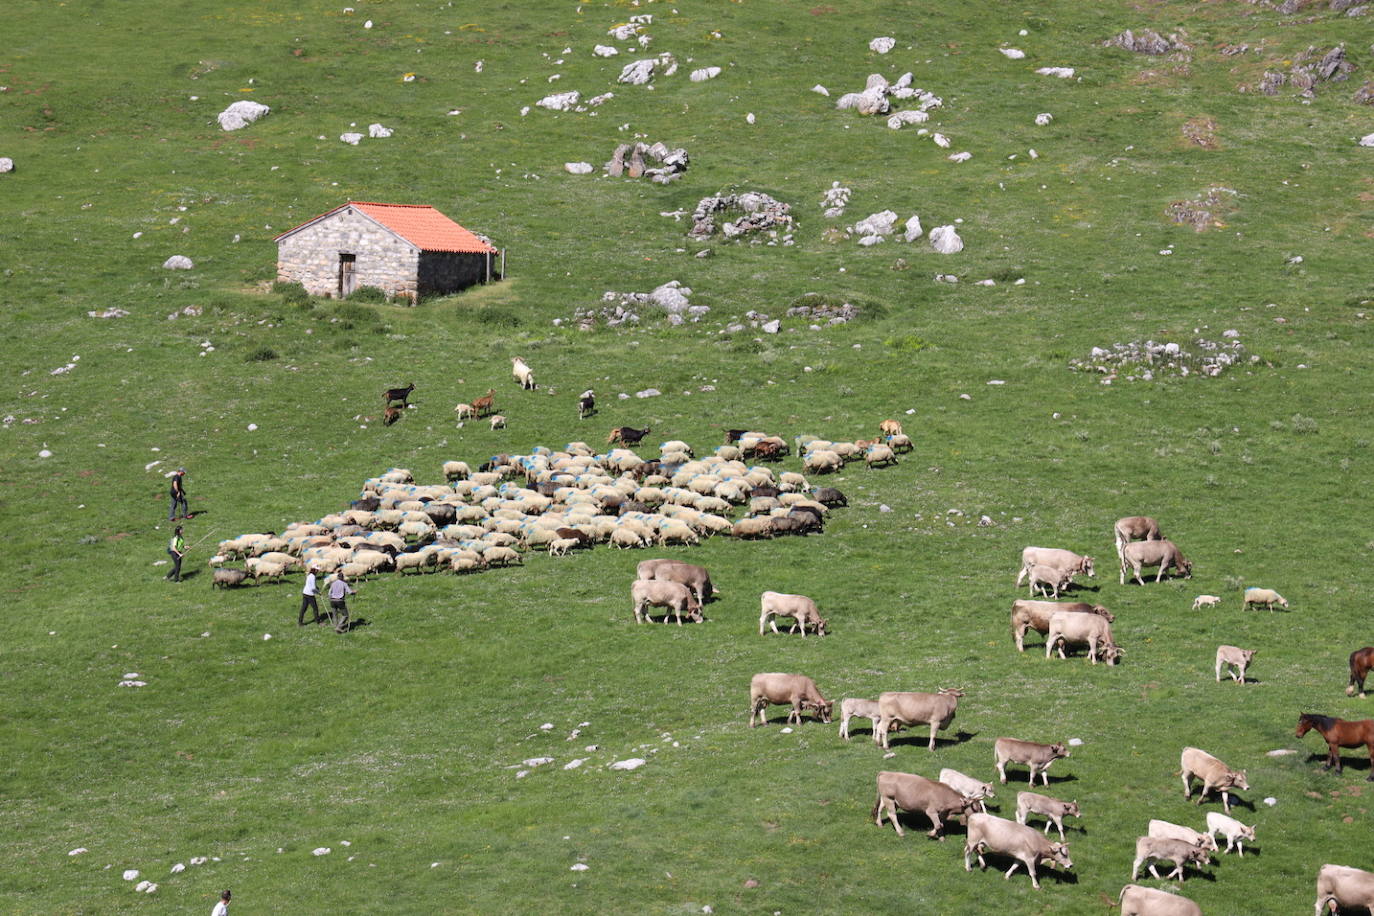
(1035, 615)
(398, 394)
(1166, 830)
(1135, 528)
(675, 597)
(856, 708)
(795, 690)
(627, 435)
(1361, 660)
(485, 404)
(1054, 810)
(987, 833)
(1202, 601)
(1236, 658)
(1161, 849)
(967, 785)
(1340, 733)
(1140, 554)
(1265, 596)
(1148, 901)
(1065, 560)
(694, 577)
(1037, 757)
(1234, 831)
(898, 708)
(1072, 628)
(1214, 775)
(1342, 887)
(916, 793)
(1049, 579)
(800, 608)
(586, 404)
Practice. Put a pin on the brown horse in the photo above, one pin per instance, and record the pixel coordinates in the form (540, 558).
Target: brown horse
(1340, 733)
(1361, 660)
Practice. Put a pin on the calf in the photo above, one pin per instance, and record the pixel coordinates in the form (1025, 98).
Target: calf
(1048, 578)
(1069, 628)
(1035, 615)
(1342, 887)
(1037, 757)
(898, 708)
(916, 793)
(1065, 560)
(1147, 901)
(1167, 831)
(671, 595)
(1140, 554)
(796, 690)
(967, 785)
(1054, 810)
(1235, 832)
(800, 608)
(1160, 849)
(1214, 774)
(855, 708)
(1233, 657)
(987, 833)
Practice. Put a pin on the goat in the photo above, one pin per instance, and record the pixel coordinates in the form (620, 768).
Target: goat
(398, 394)
(627, 435)
(485, 404)
(586, 404)
(392, 415)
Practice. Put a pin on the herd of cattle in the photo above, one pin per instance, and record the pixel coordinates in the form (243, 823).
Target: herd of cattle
(1068, 624)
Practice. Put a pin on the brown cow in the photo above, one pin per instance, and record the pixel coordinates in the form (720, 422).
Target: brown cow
(898, 708)
(1035, 615)
(796, 690)
(916, 793)
(1036, 756)
(988, 833)
(1163, 554)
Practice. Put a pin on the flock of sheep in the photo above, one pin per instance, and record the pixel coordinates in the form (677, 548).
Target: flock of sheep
(1065, 624)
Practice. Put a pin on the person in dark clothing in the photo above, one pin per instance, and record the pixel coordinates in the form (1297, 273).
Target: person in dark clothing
(176, 549)
(338, 606)
(178, 496)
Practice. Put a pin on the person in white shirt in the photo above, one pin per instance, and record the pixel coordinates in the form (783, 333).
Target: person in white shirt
(308, 598)
(222, 908)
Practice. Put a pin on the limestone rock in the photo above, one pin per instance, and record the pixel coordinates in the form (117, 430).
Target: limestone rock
(351, 138)
(1013, 53)
(704, 74)
(377, 131)
(605, 51)
(880, 224)
(178, 262)
(882, 45)
(560, 101)
(913, 229)
(241, 114)
(1062, 72)
(945, 240)
(6, 164)
(578, 168)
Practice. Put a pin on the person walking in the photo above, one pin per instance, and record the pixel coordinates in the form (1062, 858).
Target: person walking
(222, 908)
(308, 599)
(176, 549)
(338, 607)
(178, 496)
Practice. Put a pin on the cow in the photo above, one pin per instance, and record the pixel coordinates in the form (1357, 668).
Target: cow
(1065, 560)
(1147, 901)
(897, 708)
(988, 833)
(1234, 657)
(1166, 850)
(800, 608)
(916, 793)
(1139, 554)
(672, 595)
(1135, 528)
(1343, 887)
(796, 690)
(1168, 831)
(1049, 579)
(694, 577)
(1054, 810)
(855, 708)
(1035, 615)
(1036, 756)
(967, 785)
(1235, 832)
(1214, 775)
(1070, 628)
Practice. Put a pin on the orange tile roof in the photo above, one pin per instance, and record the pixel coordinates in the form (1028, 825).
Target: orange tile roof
(419, 224)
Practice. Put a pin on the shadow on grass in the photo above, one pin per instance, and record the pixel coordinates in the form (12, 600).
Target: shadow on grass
(1349, 763)
(1054, 874)
(921, 738)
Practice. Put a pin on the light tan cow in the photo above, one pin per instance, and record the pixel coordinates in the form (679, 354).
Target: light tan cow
(795, 690)
(1037, 757)
(897, 708)
(1344, 887)
(1214, 774)
(856, 708)
(1234, 657)
(800, 608)
(988, 833)
(1140, 554)
(694, 577)
(1052, 809)
(1035, 615)
(1235, 832)
(1147, 901)
(1074, 629)
(967, 785)
(1168, 831)
(1065, 560)
(675, 597)
(910, 792)
(1049, 579)
(1161, 849)
(1135, 528)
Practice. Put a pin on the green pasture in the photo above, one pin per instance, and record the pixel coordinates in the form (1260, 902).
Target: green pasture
(406, 737)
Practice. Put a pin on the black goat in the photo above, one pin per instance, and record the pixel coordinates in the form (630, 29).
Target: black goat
(586, 404)
(398, 394)
(627, 435)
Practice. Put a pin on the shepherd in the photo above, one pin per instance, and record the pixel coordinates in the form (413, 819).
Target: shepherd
(178, 496)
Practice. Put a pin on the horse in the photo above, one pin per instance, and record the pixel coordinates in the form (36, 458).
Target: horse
(1340, 733)
(1361, 660)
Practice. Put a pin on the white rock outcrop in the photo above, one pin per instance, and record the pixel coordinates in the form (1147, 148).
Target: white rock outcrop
(882, 45)
(378, 132)
(913, 229)
(1013, 53)
(704, 74)
(6, 164)
(1062, 72)
(560, 101)
(241, 114)
(605, 51)
(351, 138)
(945, 240)
(1366, 140)
(578, 168)
(178, 262)
(1043, 118)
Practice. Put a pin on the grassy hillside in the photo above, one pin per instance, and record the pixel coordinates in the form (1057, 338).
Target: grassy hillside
(405, 738)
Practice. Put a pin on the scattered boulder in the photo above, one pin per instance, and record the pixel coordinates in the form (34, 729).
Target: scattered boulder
(1146, 41)
(882, 45)
(6, 164)
(945, 240)
(759, 213)
(578, 168)
(377, 131)
(910, 116)
(1043, 118)
(1363, 96)
(178, 262)
(351, 137)
(640, 72)
(912, 229)
(879, 224)
(1367, 140)
(1062, 72)
(630, 159)
(878, 93)
(835, 200)
(1013, 53)
(560, 101)
(242, 113)
(605, 51)
(704, 74)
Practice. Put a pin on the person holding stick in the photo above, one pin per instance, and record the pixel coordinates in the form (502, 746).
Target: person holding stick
(176, 549)
(338, 607)
(308, 598)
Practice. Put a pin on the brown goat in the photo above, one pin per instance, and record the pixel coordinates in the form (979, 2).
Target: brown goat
(485, 404)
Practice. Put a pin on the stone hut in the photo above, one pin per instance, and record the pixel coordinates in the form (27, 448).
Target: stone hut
(408, 250)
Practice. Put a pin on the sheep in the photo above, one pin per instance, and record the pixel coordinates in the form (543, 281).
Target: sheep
(498, 422)
(586, 404)
(559, 547)
(900, 443)
(502, 556)
(356, 570)
(259, 568)
(625, 538)
(416, 561)
(1202, 601)
(1265, 596)
(228, 578)
(823, 461)
(522, 372)
(879, 456)
(792, 482)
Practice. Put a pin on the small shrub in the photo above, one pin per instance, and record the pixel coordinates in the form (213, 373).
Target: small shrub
(291, 293)
(746, 345)
(845, 391)
(1211, 481)
(1277, 425)
(260, 355)
(1081, 435)
(1234, 583)
(1303, 425)
(907, 343)
(367, 294)
(1214, 447)
(497, 317)
(351, 315)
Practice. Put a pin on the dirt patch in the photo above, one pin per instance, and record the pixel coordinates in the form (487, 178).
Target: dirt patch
(1201, 131)
(1206, 211)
